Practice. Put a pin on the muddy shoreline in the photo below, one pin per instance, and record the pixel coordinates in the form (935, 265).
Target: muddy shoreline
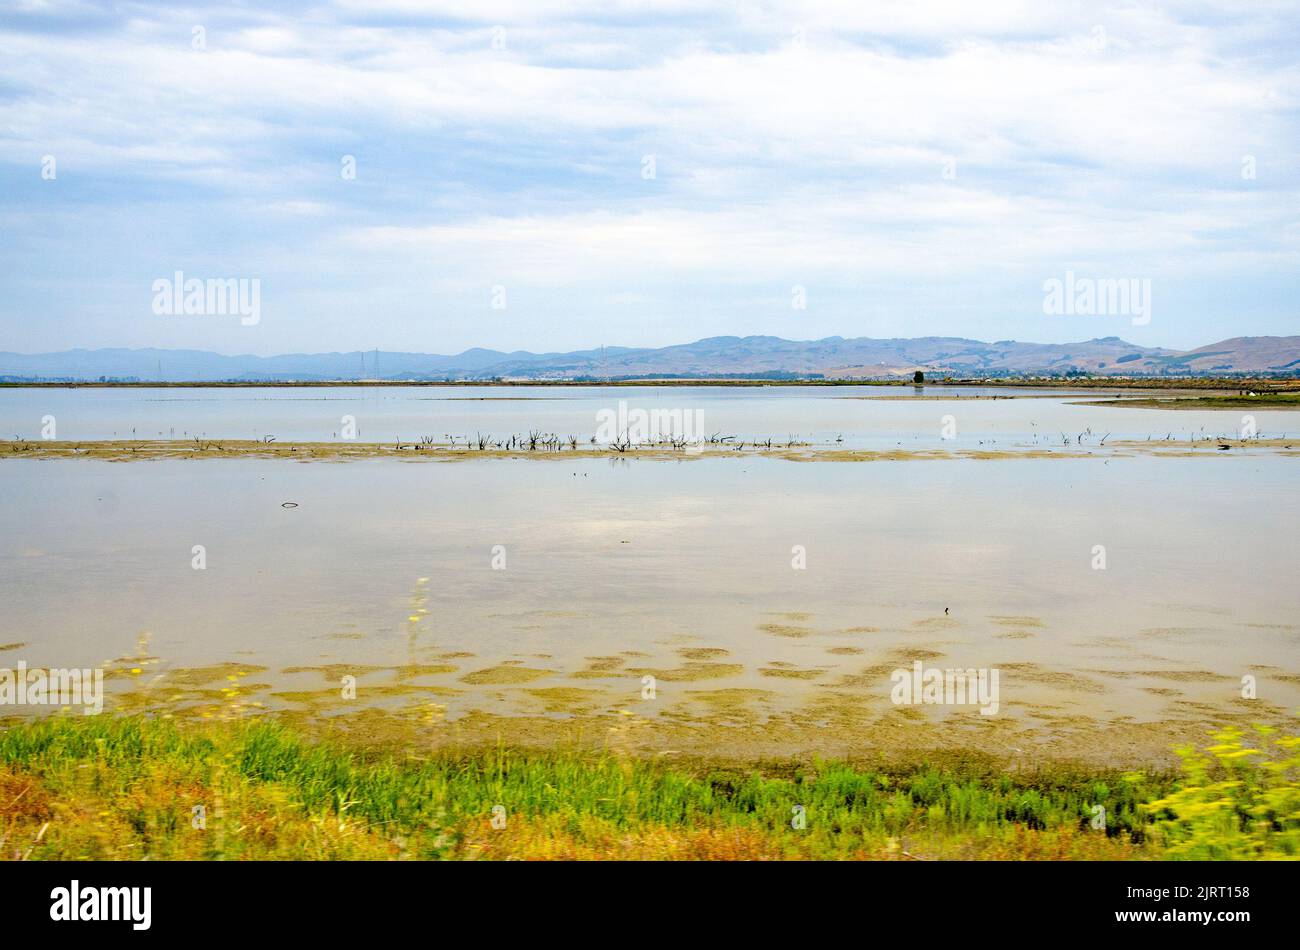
(126, 450)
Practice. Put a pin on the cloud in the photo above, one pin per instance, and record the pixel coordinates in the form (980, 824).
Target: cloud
(838, 141)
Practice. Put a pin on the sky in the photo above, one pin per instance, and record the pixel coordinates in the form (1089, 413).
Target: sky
(551, 176)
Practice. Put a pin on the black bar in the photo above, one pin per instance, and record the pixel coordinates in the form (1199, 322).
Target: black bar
(252, 900)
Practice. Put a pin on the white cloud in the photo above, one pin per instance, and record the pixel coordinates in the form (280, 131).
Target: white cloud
(789, 138)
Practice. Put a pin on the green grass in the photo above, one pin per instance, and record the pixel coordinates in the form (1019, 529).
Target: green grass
(125, 788)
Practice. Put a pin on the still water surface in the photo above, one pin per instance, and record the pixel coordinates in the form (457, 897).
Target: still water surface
(496, 585)
(869, 417)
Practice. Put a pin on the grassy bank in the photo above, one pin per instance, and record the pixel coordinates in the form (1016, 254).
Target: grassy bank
(1278, 400)
(130, 788)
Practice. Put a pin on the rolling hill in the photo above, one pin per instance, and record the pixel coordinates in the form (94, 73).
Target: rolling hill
(723, 356)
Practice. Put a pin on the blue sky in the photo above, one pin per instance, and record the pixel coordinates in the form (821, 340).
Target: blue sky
(917, 168)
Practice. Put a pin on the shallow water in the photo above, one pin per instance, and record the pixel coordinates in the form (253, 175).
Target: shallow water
(648, 562)
(870, 417)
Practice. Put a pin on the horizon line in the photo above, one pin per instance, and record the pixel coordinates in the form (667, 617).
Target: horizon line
(752, 336)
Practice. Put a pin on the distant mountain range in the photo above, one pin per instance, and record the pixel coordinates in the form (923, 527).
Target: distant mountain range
(716, 357)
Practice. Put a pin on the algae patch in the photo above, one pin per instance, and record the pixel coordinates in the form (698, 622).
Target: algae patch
(504, 675)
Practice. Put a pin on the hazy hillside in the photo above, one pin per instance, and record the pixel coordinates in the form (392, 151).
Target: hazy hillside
(833, 357)
(1246, 353)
